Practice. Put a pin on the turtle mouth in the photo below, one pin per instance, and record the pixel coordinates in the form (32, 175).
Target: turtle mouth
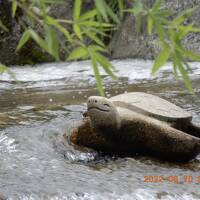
(97, 108)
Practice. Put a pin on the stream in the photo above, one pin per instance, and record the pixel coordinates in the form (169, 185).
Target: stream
(47, 102)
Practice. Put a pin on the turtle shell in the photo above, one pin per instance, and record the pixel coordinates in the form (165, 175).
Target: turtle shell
(151, 105)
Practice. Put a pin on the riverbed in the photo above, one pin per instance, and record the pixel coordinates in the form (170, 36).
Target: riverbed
(38, 113)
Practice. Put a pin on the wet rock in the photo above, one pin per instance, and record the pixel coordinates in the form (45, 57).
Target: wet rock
(127, 43)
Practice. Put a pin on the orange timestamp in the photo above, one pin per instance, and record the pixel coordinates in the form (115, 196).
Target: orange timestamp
(172, 179)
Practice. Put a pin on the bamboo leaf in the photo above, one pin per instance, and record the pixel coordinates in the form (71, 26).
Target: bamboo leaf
(2, 26)
(101, 7)
(39, 40)
(138, 8)
(149, 25)
(14, 8)
(187, 53)
(184, 30)
(77, 9)
(175, 69)
(52, 41)
(162, 13)
(95, 48)
(53, 22)
(78, 53)
(195, 29)
(97, 76)
(157, 5)
(23, 40)
(121, 7)
(112, 14)
(77, 31)
(3, 68)
(107, 66)
(160, 60)
(89, 14)
(95, 24)
(55, 1)
(160, 32)
(183, 16)
(95, 38)
(191, 55)
(186, 80)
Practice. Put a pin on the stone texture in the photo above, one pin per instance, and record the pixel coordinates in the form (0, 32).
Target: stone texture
(127, 43)
(8, 40)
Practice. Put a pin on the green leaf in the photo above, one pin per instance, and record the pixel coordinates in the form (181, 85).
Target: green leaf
(184, 30)
(183, 16)
(95, 24)
(105, 64)
(187, 53)
(95, 38)
(98, 31)
(121, 7)
(77, 31)
(160, 60)
(97, 76)
(195, 29)
(101, 7)
(160, 32)
(112, 14)
(52, 41)
(53, 22)
(149, 25)
(94, 48)
(163, 13)
(39, 40)
(188, 69)
(3, 68)
(77, 9)
(78, 53)
(2, 26)
(138, 7)
(55, 1)
(89, 14)
(23, 40)
(14, 8)
(157, 5)
(186, 80)
(175, 68)
(193, 56)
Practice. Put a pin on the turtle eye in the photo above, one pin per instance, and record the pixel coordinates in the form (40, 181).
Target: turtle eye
(105, 104)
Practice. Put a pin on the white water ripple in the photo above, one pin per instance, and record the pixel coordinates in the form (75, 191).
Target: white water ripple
(81, 74)
(7, 145)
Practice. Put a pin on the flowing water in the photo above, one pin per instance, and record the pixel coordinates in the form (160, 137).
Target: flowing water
(37, 162)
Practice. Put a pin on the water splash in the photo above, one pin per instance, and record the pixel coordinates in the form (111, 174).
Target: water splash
(7, 145)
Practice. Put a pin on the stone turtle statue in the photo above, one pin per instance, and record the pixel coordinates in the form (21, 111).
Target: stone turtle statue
(139, 123)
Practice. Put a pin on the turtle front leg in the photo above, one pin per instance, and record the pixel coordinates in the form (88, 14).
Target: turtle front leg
(194, 130)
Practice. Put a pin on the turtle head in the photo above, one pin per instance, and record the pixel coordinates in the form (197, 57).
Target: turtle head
(103, 113)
